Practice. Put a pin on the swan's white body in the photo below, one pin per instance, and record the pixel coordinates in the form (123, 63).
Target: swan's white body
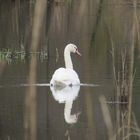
(66, 76)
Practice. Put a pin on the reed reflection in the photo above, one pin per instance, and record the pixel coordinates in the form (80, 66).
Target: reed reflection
(67, 95)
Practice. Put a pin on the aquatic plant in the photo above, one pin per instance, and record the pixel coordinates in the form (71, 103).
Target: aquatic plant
(126, 126)
(121, 132)
(10, 55)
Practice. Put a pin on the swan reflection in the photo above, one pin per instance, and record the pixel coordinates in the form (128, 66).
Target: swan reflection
(67, 95)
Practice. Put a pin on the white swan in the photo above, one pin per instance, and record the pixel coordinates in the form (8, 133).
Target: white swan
(66, 76)
(67, 95)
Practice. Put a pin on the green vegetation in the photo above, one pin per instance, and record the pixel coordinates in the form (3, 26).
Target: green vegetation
(9, 55)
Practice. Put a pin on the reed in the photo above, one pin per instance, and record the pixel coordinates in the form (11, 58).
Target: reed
(126, 126)
(120, 133)
(107, 117)
(30, 115)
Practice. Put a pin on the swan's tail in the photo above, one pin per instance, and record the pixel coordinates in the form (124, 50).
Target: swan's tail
(58, 84)
(63, 83)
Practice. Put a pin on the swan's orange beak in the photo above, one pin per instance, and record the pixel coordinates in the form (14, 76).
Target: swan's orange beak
(77, 52)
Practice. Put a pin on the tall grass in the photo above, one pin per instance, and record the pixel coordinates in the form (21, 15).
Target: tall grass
(120, 133)
(126, 125)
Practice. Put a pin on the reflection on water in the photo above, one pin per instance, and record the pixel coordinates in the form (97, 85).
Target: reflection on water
(67, 95)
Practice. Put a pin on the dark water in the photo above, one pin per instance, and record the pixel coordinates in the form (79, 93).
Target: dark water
(50, 114)
(89, 28)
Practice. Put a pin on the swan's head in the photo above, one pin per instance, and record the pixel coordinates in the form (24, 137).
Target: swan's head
(73, 48)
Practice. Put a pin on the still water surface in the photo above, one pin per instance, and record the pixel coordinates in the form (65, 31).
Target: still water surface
(51, 116)
(94, 67)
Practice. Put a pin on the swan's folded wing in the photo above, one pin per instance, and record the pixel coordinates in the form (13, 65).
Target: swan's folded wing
(65, 76)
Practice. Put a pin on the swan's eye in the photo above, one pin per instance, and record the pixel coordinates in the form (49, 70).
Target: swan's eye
(75, 48)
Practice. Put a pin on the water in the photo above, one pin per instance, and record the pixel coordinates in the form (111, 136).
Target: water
(91, 25)
(51, 123)
(50, 113)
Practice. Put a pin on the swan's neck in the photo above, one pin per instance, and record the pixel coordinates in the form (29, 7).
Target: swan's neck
(67, 58)
(67, 113)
